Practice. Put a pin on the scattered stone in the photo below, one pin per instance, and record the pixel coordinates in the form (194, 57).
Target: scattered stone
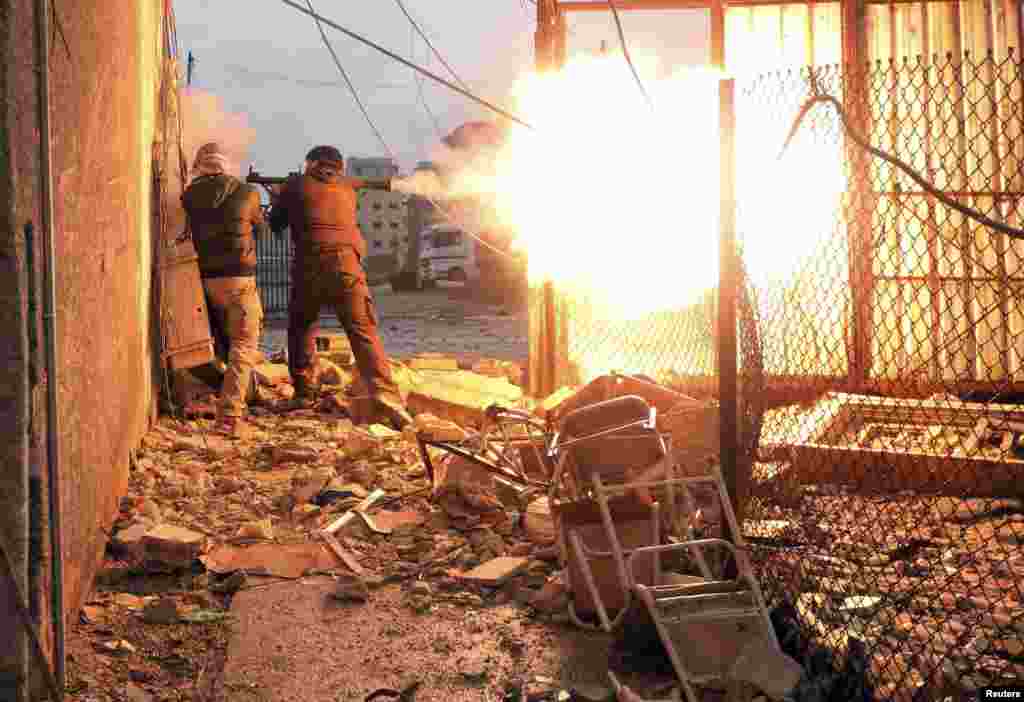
(435, 429)
(303, 512)
(496, 572)
(173, 546)
(128, 542)
(307, 483)
(263, 529)
(294, 453)
(861, 604)
(272, 374)
(163, 611)
(120, 647)
(351, 589)
(552, 597)
(133, 693)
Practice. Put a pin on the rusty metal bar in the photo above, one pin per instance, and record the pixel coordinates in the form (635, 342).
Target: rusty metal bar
(727, 289)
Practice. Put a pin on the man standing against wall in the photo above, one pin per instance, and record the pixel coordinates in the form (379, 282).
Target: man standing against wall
(224, 216)
(320, 209)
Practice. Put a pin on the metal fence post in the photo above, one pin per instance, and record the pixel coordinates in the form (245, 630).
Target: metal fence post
(727, 289)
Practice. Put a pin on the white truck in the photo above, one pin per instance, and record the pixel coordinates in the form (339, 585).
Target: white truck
(446, 253)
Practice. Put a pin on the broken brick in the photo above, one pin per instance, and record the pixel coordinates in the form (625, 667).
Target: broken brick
(496, 571)
(173, 545)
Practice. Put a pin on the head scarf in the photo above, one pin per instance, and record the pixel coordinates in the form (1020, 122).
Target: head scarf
(210, 160)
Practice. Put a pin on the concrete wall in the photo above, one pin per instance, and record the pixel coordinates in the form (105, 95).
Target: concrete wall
(103, 85)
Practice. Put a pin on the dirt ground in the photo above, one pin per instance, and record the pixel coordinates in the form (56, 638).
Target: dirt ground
(437, 321)
(156, 633)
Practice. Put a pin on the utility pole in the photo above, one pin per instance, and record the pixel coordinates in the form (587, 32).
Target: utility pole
(191, 61)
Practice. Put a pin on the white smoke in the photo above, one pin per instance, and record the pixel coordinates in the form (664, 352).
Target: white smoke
(205, 120)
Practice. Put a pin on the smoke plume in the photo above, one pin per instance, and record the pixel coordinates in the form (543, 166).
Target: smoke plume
(205, 119)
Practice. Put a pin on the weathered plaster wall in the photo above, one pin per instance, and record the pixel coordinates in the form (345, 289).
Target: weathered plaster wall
(103, 101)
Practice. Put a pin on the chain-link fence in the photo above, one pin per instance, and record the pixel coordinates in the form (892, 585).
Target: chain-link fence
(881, 360)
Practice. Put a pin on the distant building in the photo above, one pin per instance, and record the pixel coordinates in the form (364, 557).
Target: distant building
(382, 218)
(373, 167)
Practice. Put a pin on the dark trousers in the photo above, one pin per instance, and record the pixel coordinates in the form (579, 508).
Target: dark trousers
(335, 280)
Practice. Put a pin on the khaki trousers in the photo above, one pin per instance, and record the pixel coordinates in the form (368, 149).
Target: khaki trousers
(235, 302)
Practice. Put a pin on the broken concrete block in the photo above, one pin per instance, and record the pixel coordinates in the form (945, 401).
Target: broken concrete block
(291, 452)
(499, 369)
(460, 396)
(435, 429)
(430, 361)
(359, 442)
(163, 611)
(351, 589)
(262, 529)
(129, 543)
(496, 571)
(538, 523)
(271, 374)
(379, 431)
(173, 545)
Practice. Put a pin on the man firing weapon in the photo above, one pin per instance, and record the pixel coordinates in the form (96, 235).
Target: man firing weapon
(319, 207)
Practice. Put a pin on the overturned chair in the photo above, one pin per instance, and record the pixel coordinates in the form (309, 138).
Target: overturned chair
(613, 447)
(712, 629)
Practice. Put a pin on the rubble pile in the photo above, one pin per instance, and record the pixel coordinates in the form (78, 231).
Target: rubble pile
(257, 505)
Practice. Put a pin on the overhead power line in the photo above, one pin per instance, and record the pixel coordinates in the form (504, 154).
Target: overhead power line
(244, 71)
(391, 54)
(625, 52)
(348, 81)
(416, 26)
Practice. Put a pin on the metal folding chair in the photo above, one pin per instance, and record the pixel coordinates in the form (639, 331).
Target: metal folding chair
(705, 626)
(611, 443)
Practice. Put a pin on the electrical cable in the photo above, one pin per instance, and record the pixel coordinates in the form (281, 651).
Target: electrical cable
(625, 53)
(419, 88)
(348, 81)
(337, 62)
(416, 26)
(392, 55)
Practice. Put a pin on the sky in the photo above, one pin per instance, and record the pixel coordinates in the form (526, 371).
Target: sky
(266, 61)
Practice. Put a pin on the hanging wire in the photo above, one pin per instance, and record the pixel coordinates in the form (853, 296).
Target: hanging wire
(419, 30)
(392, 55)
(348, 82)
(387, 147)
(625, 53)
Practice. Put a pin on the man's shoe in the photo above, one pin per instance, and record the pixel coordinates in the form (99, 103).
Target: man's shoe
(393, 412)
